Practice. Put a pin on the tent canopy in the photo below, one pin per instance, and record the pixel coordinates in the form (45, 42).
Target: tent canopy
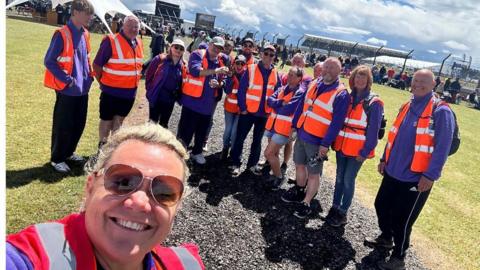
(415, 64)
(102, 8)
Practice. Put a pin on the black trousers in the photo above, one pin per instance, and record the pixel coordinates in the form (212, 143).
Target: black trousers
(69, 117)
(161, 112)
(191, 123)
(245, 123)
(398, 205)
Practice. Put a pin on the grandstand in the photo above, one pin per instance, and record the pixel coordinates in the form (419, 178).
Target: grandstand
(169, 12)
(348, 47)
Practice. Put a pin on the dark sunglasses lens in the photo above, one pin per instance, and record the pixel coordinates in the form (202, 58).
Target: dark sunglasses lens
(122, 179)
(270, 54)
(180, 48)
(240, 63)
(248, 45)
(167, 190)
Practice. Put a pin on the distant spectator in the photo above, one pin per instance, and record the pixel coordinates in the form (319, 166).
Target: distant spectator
(284, 56)
(455, 88)
(354, 62)
(438, 81)
(382, 72)
(447, 85)
(171, 34)
(391, 73)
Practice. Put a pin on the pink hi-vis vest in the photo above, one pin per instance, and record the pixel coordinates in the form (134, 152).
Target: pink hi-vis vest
(64, 245)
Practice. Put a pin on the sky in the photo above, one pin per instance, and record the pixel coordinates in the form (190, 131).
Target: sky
(433, 28)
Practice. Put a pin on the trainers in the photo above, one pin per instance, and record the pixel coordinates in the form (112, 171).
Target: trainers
(338, 219)
(234, 170)
(393, 263)
(61, 167)
(256, 170)
(205, 147)
(303, 210)
(199, 159)
(333, 211)
(277, 182)
(284, 169)
(76, 158)
(379, 241)
(294, 194)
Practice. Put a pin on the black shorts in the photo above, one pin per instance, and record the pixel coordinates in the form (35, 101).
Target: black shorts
(111, 106)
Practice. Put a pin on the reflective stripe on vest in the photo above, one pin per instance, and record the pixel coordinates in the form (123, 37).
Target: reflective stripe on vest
(60, 255)
(281, 124)
(193, 86)
(424, 137)
(188, 261)
(231, 101)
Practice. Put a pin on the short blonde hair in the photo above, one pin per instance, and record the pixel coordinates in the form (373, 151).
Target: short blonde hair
(362, 70)
(148, 133)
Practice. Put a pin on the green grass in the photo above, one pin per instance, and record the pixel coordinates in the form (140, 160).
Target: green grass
(450, 218)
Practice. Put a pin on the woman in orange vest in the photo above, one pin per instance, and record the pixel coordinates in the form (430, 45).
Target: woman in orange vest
(355, 142)
(132, 194)
(231, 103)
(278, 129)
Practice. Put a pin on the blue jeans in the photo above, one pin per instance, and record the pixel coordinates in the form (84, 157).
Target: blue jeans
(231, 122)
(245, 123)
(347, 170)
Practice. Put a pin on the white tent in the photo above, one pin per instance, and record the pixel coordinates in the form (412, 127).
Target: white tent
(398, 61)
(102, 8)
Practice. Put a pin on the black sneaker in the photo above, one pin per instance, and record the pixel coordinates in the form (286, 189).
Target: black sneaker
(379, 242)
(333, 211)
(256, 170)
(294, 194)
(337, 220)
(277, 182)
(303, 210)
(234, 170)
(393, 263)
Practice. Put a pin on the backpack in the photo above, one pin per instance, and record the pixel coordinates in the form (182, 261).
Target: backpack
(456, 130)
(367, 103)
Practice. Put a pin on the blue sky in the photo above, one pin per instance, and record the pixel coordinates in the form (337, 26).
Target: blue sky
(432, 28)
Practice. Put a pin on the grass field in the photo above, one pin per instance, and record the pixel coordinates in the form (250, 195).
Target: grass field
(449, 222)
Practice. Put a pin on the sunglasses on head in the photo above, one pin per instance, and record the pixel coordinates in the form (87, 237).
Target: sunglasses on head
(272, 54)
(178, 47)
(123, 180)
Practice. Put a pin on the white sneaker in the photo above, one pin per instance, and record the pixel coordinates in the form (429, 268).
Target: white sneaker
(76, 158)
(199, 158)
(61, 167)
(205, 147)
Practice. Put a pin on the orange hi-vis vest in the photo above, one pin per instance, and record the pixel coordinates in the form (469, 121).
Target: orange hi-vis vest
(250, 61)
(231, 102)
(65, 59)
(193, 86)
(424, 139)
(351, 138)
(317, 112)
(255, 88)
(281, 124)
(124, 68)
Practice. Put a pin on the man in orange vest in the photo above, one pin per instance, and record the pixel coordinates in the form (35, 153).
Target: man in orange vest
(132, 195)
(118, 67)
(201, 89)
(258, 83)
(278, 129)
(318, 119)
(248, 46)
(69, 73)
(417, 149)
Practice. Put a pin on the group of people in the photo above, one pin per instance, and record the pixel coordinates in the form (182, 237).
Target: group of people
(137, 181)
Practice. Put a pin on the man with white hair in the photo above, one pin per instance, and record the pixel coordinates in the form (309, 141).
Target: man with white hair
(417, 148)
(118, 67)
(317, 70)
(318, 120)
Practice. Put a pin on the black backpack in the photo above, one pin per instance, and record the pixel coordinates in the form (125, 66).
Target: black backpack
(366, 107)
(456, 130)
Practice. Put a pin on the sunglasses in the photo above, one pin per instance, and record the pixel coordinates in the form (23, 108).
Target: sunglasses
(269, 54)
(178, 47)
(123, 180)
(240, 63)
(248, 45)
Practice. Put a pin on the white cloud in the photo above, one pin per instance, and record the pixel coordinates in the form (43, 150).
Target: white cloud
(347, 30)
(279, 25)
(402, 46)
(239, 14)
(432, 51)
(376, 41)
(445, 51)
(452, 44)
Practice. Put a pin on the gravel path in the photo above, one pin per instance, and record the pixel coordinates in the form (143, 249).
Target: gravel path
(239, 225)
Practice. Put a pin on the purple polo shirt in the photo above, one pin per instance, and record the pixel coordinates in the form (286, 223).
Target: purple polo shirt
(289, 108)
(163, 85)
(103, 55)
(401, 155)
(340, 108)
(242, 90)
(374, 118)
(80, 71)
(205, 104)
